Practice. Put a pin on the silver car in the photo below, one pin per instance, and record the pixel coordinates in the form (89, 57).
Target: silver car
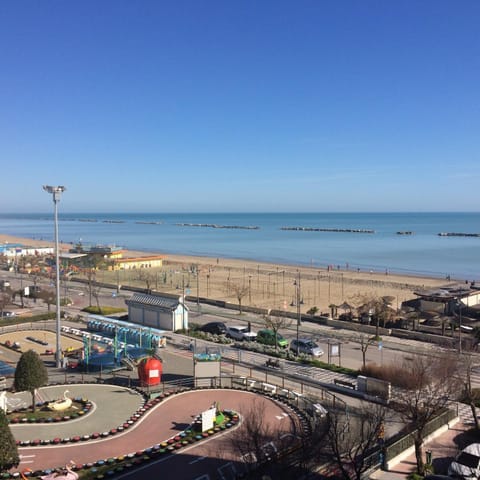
(240, 332)
(306, 346)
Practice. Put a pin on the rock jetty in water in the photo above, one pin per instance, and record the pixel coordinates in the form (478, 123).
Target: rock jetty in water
(454, 234)
(341, 230)
(213, 225)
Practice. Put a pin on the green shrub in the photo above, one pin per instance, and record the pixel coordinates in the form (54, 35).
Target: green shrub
(415, 476)
(29, 319)
(103, 310)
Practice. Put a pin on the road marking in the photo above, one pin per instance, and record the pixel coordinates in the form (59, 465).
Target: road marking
(199, 459)
(227, 471)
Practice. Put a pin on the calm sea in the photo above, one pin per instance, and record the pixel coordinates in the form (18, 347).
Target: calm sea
(423, 253)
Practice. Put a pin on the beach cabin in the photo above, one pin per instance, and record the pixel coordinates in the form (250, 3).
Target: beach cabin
(132, 263)
(158, 311)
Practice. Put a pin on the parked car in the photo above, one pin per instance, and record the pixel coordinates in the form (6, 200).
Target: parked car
(218, 328)
(306, 346)
(241, 332)
(267, 337)
(7, 314)
(467, 463)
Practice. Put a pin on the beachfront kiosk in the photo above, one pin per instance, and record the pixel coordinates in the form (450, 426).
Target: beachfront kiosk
(158, 311)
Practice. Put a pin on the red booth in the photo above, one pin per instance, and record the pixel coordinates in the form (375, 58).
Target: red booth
(150, 371)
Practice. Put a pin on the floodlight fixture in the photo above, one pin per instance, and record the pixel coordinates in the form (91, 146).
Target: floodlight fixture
(56, 193)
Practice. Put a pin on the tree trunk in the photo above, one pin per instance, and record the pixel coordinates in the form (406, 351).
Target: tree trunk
(474, 414)
(419, 456)
(33, 401)
(97, 300)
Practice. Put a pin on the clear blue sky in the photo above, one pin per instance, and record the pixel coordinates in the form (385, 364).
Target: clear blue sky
(271, 105)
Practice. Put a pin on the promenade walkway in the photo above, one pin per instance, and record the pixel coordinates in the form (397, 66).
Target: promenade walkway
(444, 448)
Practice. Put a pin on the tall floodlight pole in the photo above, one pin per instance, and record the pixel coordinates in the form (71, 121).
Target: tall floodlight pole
(299, 312)
(56, 193)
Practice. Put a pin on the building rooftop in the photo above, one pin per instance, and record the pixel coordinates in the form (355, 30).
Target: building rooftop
(448, 292)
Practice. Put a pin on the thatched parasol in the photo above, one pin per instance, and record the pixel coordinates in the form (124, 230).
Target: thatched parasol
(345, 306)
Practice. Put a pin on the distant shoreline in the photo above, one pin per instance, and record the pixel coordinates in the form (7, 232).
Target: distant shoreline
(402, 243)
(271, 285)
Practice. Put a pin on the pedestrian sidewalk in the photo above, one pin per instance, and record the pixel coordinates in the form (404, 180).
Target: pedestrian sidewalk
(444, 448)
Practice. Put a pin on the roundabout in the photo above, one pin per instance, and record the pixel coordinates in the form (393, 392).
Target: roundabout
(123, 430)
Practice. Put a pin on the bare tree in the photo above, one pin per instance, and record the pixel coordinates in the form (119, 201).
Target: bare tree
(353, 436)
(430, 382)
(5, 299)
(252, 439)
(240, 291)
(276, 323)
(469, 393)
(260, 446)
(96, 289)
(48, 296)
(91, 276)
(148, 278)
(365, 342)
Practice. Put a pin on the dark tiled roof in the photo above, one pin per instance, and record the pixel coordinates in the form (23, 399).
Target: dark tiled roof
(448, 292)
(165, 303)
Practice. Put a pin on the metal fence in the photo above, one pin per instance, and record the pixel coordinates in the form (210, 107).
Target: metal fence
(402, 441)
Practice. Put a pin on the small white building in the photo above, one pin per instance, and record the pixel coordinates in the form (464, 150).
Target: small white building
(157, 311)
(24, 251)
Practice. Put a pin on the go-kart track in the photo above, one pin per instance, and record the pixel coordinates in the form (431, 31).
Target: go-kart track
(212, 458)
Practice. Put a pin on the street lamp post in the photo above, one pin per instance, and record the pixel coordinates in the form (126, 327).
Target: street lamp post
(299, 313)
(459, 326)
(56, 193)
(250, 290)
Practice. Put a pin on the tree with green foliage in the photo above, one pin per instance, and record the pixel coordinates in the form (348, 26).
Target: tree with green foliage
(8, 448)
(30, 374)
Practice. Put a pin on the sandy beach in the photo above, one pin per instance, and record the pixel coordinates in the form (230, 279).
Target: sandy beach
(260, 284)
